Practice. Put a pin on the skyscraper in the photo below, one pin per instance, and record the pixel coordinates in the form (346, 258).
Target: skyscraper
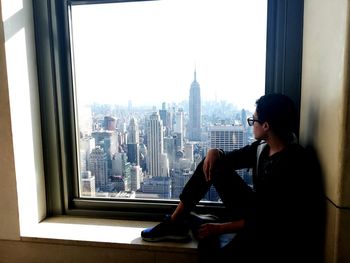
(188, 151)
(179, 127)
(106, 140)
(87, 184)
(156, 158)
(244, 118)
(98, 167)
(133, 142)
(109, 123)
(194, 122)
(179, 119)
(135, 177)
(166, 117)
(227, 137)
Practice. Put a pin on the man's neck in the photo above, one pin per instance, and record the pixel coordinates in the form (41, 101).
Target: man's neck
(275, 144)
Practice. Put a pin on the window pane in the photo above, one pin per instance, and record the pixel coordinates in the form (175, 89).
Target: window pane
(157, 84)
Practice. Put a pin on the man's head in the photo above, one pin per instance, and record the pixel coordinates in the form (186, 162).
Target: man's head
(279, 112)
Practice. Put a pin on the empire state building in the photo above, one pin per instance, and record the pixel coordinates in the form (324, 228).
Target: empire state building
(194, 123)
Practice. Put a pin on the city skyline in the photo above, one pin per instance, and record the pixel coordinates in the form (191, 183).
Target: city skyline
(152, 155)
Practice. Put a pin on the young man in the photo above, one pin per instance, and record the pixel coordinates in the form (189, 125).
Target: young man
(274, 221)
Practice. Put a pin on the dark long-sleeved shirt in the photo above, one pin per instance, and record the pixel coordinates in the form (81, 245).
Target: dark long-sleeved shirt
(287, 198)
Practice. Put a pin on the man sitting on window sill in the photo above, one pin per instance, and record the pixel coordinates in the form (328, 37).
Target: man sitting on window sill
(275, 221)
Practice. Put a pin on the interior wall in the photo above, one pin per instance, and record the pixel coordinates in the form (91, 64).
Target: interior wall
(324, 111)
(9, 225)
(24, 109)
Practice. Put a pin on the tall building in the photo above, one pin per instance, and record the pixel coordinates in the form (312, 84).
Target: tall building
(143, 155)
(135, 178)
(156, 157)
(194, 122)
(106, 140)
(188, 151)
(109, 123)
(179, 178)
(121, 167)
(118, 163)
(87, 184)
(167, 119)
(179, 126)
(244, 118)
(227, 137)
(170, 149)
(158, 186)
(179, 121)
(133, 132)
(86, 145)
(98, 167)
(133, 147)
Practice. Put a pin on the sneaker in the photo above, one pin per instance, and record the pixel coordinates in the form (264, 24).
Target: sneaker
(167, 231)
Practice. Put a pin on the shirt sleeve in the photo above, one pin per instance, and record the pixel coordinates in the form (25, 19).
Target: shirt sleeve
(244, 157)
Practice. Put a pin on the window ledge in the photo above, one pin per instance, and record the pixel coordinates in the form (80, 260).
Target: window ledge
(100, 232)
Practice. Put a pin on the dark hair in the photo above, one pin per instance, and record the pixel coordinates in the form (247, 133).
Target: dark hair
(279, 112)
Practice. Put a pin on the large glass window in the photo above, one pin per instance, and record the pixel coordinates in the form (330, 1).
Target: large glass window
(158, 83)
(134, 93)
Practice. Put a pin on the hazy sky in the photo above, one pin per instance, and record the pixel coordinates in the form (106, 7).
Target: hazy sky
(147, 52)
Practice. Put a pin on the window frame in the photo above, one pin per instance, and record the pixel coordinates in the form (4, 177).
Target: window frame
(58, 120)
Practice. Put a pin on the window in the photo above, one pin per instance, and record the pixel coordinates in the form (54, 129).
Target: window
(119, 85)
(155, 81)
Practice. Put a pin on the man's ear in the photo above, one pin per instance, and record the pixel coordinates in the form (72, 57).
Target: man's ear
(266, 126)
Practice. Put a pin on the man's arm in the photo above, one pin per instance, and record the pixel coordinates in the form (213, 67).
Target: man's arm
(210, 161)
(244, 157)
(214, 229)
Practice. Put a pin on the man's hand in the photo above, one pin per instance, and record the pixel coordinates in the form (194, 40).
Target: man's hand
(215, 229)
(210, 162)
(209, 229)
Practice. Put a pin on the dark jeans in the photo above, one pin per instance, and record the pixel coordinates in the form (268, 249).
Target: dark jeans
(238, 248)
(238, 199)
(235, 194)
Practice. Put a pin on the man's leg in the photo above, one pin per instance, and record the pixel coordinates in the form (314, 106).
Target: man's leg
(236, 195)
(238, 199)
(192, 193)
(229, 185)
(174, 227)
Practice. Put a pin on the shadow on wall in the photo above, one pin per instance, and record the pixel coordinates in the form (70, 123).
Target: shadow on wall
(318, 203)
(317, 196)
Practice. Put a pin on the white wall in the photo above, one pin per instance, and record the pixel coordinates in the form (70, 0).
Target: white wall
(22, 87)
(9, 225)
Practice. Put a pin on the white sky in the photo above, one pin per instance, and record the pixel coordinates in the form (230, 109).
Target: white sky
(146, 52)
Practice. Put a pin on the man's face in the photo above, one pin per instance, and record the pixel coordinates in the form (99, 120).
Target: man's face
(258, 129)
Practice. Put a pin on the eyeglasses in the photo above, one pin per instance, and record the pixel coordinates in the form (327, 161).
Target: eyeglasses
(251, 121)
